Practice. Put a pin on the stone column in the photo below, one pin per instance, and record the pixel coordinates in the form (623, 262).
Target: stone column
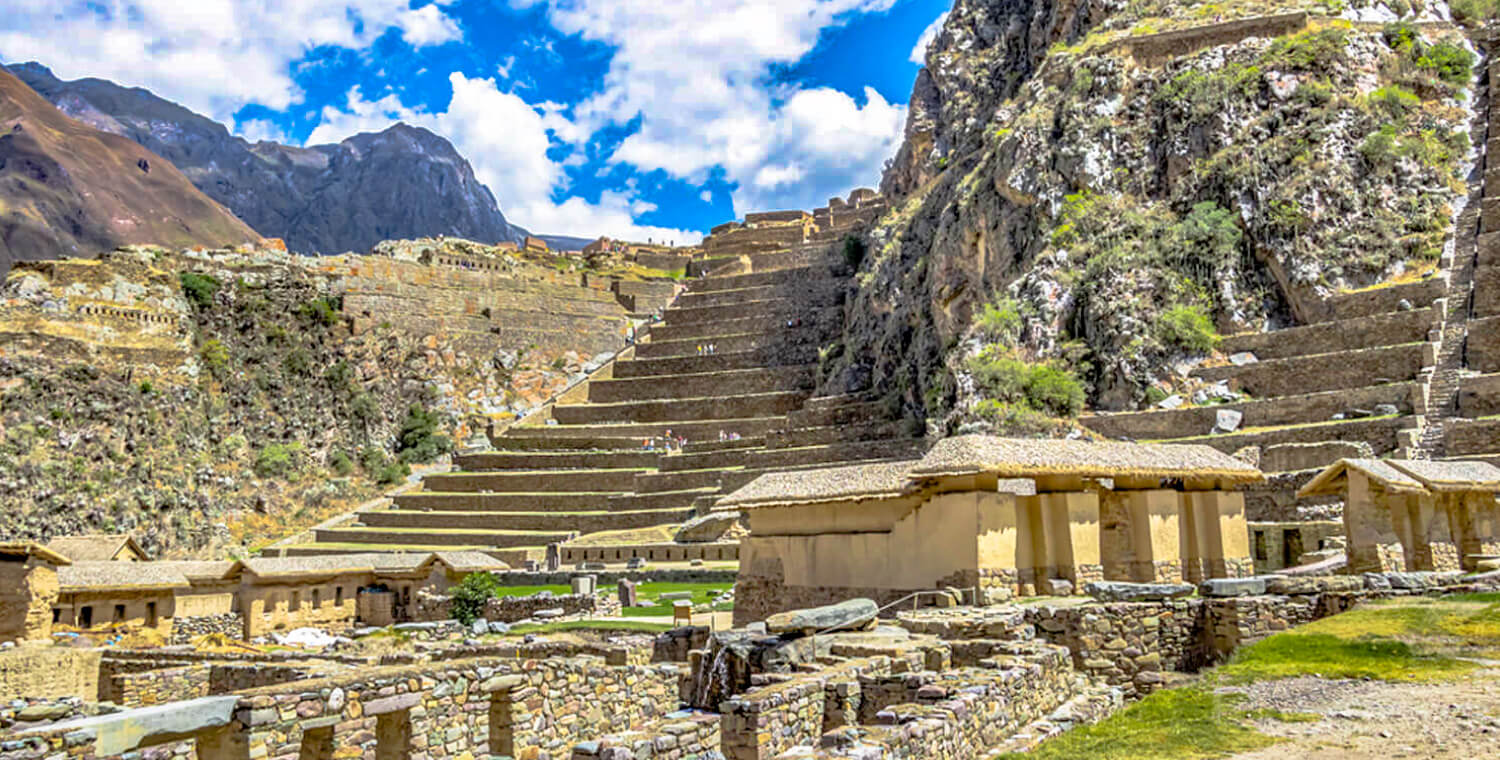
(1219, 546)
(1154, 536)
(1070, 529)
(1116, 550)
(1373, 544)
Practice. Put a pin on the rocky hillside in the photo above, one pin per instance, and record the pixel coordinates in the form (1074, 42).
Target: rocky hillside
(68, 189)
(1091, 193)
(211, 402)
(405, 182)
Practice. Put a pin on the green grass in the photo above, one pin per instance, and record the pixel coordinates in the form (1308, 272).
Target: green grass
(703, 593)
(640, 626)
(1174, 724)
(559, 590)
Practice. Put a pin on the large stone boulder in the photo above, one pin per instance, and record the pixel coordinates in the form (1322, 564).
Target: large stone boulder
(1119, 591)
(710, 527)
(850, 615)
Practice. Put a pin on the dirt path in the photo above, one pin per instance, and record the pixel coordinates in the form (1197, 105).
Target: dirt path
(1365, 720)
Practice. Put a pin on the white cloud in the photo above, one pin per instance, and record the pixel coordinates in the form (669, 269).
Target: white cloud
(696, 79)
(919, 51)
(707, 196)
(256, 130)
(213, 56)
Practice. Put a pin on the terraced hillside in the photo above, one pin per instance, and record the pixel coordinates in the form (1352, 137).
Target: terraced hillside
(730, 369)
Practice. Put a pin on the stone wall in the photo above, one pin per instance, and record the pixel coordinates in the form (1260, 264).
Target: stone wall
(767, 721)
(48, 672)
(158, 686)
(664, 552)
(1127, 643)
(679, 736)
(522, 709)
(509, 609)
(185, 629)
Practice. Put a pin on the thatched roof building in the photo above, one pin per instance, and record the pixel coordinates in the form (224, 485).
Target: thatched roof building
(98, 548)
(1030, 458)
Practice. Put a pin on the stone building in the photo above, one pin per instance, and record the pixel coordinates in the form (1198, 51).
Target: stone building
(993, 518)
(94, 595)
(1407, 514)
(99, 548)
(28, 589)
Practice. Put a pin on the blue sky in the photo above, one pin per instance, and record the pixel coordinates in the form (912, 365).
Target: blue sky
(633, 118)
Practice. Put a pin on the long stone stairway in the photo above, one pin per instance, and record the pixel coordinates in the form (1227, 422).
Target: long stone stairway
(730, 368)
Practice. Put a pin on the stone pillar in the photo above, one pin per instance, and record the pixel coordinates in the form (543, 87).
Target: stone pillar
(627, 592)
(1373, 544)
(554, 558)
(1215, 536)
(1031, 551)
(1116, 549)
(1070, 532)
(1154, 536)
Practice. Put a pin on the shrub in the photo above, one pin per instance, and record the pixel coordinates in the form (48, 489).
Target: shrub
(1394, 101)
(854, 251)
(1309, 51)
(322, 311)
(146, 388)
(1000, 321)
(1188, 328)
(1450, 63)
(199, 288)
(381, 467)
(297, 362)
(419, 440)
(1054, 390)
(215, 357)
(470, 595)
(278, 460)
(1008, 380)
(340, 463)
(1474, 12)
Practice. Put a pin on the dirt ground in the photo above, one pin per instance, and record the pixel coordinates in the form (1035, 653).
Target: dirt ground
(1376, 719)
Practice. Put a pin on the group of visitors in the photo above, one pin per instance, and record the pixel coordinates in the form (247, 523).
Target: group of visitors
(707, 349)
(665, 442)
(723, 436)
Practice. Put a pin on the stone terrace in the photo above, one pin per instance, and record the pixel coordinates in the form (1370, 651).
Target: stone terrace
(735, 355)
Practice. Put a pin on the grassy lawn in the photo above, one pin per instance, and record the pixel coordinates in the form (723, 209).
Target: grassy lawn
(630, 626)
(1408, 639)
(558, 590)
(703, 593)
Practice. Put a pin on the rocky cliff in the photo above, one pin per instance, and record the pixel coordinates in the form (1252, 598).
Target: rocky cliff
(209, 402)
(404, 182)
(1090, 193)
(68, 189)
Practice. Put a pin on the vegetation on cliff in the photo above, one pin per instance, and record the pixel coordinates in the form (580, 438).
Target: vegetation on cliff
(1123, 213)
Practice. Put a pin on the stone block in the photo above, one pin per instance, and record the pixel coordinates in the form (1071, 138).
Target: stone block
(851, 615)
(1057, 587)
(583, 585)
(1119, 591)
(627, 593)
(1224, 587)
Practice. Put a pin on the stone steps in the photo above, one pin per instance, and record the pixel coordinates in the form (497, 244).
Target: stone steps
(720, 362)
(1382, 433)
(832, 453)
(729, 344)
(515, 501)
(520, 441)
(681, 480)
(828, 319)
(534, 480)
(561, 522)
(1383, 300)
(1463, 437)
(707, 430)
(694, 299)
(1394, 328)
(660, 499)
(737, 382)
(813, 436)
(834, 415)
(671, 411)
(555, 460)
(757, 279)
(1274, 412)
(514, 556)
(1324, 372)
(770, 307)
(449, 538)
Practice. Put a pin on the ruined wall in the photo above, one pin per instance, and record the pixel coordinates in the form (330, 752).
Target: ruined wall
(509, 609)
(48, 672)
(28, 589)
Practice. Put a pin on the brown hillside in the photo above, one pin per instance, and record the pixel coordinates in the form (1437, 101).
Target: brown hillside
(67, 189)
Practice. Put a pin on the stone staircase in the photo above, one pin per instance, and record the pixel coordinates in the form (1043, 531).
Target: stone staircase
(586, 465)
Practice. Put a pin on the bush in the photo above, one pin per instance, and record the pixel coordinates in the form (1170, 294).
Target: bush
(854, 251)
(1315, 51)
(215, 357)
(340, 463)
(1000, 321)
(382, 468)
(1452, 64)
(199, 288)
(297, 362)
(1474, 12)
(1009, 380)
(322, 311)
(278, 460)
(1188, 328)
(365, 409)
(470, 595)
(1394, 101)
(419, 440)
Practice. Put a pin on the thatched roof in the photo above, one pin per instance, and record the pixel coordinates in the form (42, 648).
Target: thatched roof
(1031, 458)
(470, 562)
(120, 576)
(321, 565)
(96, 548)
(31, 549)
(1451, 475)
(1407, 476)
(882, 480)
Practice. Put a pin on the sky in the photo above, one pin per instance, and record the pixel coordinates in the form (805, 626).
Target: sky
(630, 118)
